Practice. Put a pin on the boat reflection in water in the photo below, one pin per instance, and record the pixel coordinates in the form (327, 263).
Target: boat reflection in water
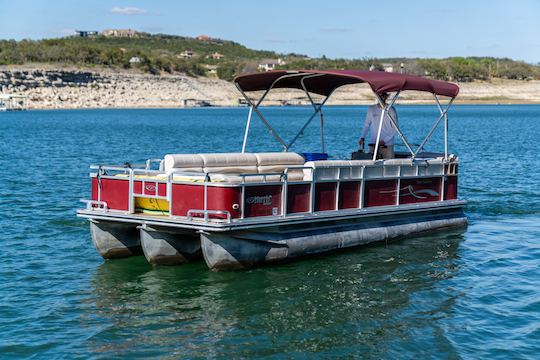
(372, 300)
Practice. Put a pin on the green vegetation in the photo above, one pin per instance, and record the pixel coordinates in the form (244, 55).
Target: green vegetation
(163, 53)
(454, 68)
(155, 53)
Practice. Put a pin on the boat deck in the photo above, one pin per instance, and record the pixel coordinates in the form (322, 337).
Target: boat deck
(249, 223)
(214, 196)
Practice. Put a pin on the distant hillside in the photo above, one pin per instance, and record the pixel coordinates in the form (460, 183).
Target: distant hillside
(205, 56)
(150, 53)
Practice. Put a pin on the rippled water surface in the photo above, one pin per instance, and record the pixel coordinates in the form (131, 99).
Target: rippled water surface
(472, 294)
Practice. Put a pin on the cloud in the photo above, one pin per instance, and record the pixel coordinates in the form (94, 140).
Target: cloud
(335, 30)
(129, 11)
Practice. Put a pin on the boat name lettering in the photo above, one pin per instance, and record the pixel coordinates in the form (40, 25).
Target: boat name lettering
(265, 200)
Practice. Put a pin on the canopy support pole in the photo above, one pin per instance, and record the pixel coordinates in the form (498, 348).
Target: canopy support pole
(255, 108)
(445, 125)
(386, 108)
(445, 137)
(395, 124)
(250, 115)
(322, 132)
(443, 115)
(317, 108)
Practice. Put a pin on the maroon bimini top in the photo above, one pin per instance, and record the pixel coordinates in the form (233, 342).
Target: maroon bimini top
(327, 81)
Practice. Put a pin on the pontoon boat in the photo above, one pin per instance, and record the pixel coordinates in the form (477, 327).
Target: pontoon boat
(241, 210)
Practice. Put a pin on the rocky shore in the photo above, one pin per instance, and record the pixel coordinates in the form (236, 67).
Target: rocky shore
(61, 88)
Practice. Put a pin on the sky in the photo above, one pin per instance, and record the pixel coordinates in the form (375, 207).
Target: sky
(334, 28)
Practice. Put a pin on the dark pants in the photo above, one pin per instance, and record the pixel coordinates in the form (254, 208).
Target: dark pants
(385, 152)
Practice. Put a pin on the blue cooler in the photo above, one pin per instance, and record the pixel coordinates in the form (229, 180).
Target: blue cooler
(315, 156)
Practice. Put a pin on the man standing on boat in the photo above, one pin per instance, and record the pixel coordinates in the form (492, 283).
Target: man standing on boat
(372, 122)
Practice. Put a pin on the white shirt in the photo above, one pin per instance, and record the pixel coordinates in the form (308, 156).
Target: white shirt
(372, 122)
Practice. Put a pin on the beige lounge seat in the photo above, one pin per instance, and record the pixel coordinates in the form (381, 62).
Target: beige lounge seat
(277, 162)
(230, 163)
(224, 166)
(183, 162)
(265, 163)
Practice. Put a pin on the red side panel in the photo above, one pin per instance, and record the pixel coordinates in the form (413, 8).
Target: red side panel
(162, 189)
(115, 192)
(191, 197)
(262, 200)
(137, 187)
(186, 197)
(94, 188)
(349, 195)
(380, 192)
(325, 196)
(298, 198)
(451, 188)
(224, 198)
(419, 190)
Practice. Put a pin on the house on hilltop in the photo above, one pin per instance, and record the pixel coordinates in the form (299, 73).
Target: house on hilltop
(387, 67)
(86, 33)
(203, 38)
(186, 54)
(129, 33)
(270, 64)
(215, 56)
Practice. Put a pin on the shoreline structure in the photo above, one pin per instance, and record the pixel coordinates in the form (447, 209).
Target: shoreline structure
(71, 88)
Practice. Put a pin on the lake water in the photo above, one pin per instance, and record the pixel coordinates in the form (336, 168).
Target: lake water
(471, 294)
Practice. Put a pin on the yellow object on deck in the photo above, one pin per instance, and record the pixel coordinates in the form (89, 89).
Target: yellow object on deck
(152, 205)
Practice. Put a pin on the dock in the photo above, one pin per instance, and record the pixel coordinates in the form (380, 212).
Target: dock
(13, 102)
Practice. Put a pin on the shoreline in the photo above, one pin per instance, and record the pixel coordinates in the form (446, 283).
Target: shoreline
(91, 88)
(456, 103)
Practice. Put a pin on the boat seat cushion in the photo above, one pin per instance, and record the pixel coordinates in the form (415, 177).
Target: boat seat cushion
(228, 159)
(235, 163)
(279, 158)
(231, 169)
(277, 162)
(229, 163)
(186, 162)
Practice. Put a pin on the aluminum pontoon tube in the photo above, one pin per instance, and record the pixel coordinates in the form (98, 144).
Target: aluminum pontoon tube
(169, 246)
(114, 240)
(243, 250)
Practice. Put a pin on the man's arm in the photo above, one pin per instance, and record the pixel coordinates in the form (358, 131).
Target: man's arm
(367, 123)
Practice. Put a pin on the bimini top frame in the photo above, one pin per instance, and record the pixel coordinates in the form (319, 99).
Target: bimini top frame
(325, 82)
